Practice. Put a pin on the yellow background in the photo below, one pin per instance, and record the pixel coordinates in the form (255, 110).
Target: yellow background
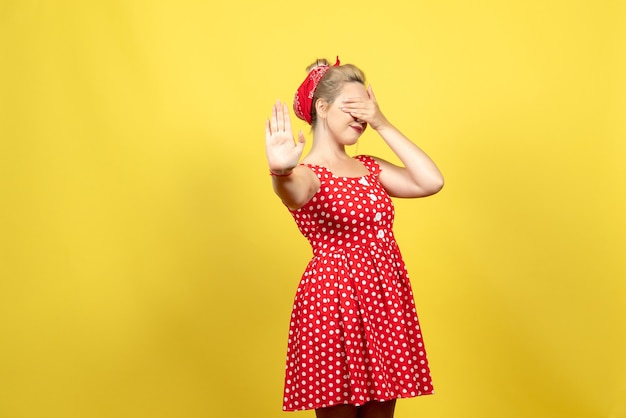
(147, 269)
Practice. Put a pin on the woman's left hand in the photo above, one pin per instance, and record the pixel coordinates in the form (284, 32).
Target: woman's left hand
(366, 110)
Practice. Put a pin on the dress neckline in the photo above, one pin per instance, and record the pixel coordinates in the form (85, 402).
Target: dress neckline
(361, 159)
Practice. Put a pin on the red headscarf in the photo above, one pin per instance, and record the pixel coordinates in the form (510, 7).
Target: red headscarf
(304, 96)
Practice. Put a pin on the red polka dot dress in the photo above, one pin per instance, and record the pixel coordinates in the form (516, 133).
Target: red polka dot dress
(354, 334)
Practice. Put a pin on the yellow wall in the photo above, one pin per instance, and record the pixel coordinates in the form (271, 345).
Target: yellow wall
(147, 269)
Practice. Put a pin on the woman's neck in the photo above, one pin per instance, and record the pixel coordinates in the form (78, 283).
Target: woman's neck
(325, 148)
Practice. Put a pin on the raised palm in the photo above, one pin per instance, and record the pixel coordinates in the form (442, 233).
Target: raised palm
(283, 153)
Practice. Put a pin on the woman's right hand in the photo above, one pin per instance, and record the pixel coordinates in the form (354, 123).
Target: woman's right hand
(283, 153)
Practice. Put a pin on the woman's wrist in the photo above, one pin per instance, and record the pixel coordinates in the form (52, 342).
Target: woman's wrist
(381, 124)
(281, 173)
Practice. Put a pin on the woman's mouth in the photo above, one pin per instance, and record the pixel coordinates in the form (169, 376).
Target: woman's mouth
(358, 128)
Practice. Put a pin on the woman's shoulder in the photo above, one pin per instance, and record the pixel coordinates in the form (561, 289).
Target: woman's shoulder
(369, 162)
(317, 169)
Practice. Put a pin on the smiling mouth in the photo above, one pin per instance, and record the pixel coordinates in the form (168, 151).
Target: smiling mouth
(358, 128)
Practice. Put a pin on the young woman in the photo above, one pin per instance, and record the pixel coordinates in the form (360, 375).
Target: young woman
(355, 343)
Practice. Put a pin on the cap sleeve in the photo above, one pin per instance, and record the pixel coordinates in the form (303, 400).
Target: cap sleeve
(319, 171)
(369, 163)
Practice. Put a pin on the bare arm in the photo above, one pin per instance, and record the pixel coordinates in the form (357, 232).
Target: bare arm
(420, 176)
(294, 185)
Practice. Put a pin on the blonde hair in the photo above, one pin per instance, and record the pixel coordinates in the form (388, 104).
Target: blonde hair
(331, 83)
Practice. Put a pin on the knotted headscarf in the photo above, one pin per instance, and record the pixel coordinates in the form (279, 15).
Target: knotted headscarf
(304, 96)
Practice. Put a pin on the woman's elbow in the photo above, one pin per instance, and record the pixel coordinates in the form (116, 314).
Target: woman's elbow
(439, 184)
(433, 186)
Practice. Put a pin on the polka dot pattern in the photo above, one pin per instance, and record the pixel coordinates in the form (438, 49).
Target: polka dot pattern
(354, 334)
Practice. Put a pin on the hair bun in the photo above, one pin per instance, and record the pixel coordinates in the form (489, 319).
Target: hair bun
(320, 62)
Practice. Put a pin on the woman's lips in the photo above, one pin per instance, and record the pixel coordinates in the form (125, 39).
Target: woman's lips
(358, 128)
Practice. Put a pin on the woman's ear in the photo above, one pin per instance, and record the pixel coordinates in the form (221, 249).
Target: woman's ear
(320, 108)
